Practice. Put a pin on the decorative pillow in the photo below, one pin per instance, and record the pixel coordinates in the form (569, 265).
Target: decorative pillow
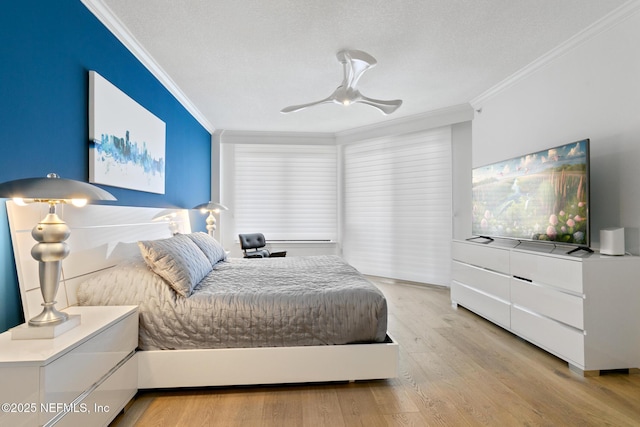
(210, 246)
(177, 260)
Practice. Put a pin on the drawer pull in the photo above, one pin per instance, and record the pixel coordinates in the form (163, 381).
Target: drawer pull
(523, 278)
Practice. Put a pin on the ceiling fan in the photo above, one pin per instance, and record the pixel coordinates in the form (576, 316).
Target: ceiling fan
(355, 63)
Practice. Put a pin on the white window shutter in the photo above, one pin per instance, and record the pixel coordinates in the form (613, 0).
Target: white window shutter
(398, 206)
(286, 192)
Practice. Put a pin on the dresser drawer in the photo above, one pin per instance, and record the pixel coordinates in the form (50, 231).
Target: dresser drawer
(563, 341)
(549, 302)
(484, 280)
(67, 377)
(559, 272)
(496, 259)
(495, 310)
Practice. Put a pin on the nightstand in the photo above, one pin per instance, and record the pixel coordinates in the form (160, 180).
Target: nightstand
(83, 377)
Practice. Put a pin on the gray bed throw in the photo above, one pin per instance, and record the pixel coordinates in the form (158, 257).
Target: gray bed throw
(243, 303)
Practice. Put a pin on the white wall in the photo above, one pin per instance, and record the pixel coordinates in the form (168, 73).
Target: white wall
(461, 134)
(589, 90)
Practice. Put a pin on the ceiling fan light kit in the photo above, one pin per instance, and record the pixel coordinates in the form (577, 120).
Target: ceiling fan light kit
(355, 63)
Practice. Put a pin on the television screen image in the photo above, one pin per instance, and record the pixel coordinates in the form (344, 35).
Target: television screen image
(539, 196)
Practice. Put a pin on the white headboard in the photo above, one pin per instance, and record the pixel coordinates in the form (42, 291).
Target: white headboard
(100, 237)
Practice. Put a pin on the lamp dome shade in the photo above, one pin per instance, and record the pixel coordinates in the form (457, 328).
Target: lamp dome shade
(211, 206)
(53, 188)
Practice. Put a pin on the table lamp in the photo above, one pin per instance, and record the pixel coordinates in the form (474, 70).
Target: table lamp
(168, 215)
(211, 207)
(51, 232)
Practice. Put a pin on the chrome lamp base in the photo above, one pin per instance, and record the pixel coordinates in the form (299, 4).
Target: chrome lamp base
(51, 249)
(50, 316)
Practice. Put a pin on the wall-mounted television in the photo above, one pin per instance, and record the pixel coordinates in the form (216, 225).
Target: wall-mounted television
(542, 196)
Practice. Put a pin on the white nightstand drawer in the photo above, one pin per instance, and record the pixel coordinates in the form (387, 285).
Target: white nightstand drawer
(560, 306)
(561, 340)
(67, 377)
(484, 280)
(104, 403)
(19, 388)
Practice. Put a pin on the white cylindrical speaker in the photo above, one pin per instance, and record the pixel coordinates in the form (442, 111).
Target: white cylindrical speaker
(612, 241)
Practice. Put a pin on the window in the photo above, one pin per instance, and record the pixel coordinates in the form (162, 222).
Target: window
(286, 192)
(397, 206)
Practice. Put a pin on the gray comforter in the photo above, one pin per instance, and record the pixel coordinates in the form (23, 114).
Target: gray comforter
(269, 302)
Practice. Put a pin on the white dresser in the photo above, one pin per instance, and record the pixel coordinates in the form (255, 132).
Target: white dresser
(583, 308)
(83, 377)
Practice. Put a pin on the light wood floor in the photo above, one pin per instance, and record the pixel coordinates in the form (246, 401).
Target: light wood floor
(456, 370)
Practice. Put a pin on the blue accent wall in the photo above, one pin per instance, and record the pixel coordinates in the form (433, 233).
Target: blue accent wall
(46, 51)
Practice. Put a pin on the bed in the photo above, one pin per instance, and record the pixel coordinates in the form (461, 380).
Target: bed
(286, 320)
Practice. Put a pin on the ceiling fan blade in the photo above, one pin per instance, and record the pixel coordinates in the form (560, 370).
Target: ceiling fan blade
(386, 107)
(293, 108)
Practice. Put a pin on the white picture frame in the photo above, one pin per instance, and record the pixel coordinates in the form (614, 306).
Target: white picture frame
(126, 142)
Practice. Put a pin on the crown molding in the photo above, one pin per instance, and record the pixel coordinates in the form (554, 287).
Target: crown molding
(605, 23)
(117, 28)
(268, 137)
(430, 120)
(416, 123)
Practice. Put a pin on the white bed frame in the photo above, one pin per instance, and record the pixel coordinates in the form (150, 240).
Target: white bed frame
(103, 235)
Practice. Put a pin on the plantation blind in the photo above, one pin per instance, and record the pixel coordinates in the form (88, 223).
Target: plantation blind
(286, 192)
(397, 207)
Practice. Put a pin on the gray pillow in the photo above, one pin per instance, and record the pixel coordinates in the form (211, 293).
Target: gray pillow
(177, 260)
(210, 246)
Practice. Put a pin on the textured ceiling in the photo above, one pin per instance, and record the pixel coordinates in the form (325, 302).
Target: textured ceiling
(240, 62)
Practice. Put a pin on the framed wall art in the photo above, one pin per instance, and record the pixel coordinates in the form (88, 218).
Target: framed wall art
(126, 141)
